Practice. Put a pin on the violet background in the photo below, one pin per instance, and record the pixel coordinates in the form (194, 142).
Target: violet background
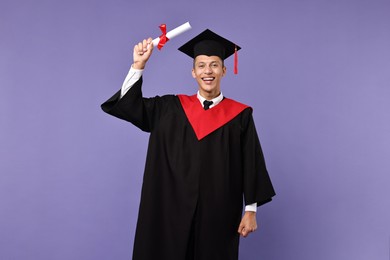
(316, 73)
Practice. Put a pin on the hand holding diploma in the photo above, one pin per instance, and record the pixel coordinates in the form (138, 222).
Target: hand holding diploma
(141, 54)
(143, 50)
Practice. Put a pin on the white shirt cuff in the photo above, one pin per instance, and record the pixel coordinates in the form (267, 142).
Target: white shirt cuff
(132, 77)
(251, 207)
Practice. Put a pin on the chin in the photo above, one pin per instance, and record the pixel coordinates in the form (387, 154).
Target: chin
(209, 91)
(208, 88)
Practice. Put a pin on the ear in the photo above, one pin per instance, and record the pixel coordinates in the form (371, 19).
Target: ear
(224, 71)
(193, 73)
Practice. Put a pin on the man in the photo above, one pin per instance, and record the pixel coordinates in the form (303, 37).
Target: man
(204, 157)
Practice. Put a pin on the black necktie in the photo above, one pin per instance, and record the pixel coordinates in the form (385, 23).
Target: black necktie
(207, 104)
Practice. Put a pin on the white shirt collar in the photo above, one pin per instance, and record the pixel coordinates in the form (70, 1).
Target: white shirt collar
(215, 100)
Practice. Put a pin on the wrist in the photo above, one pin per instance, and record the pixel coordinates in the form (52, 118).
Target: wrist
(138, 65)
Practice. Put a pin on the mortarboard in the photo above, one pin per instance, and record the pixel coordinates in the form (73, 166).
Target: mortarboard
(211, 44)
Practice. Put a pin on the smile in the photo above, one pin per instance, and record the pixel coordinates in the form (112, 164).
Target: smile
(208, 79)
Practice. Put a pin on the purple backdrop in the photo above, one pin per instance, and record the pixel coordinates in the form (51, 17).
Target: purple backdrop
(317, 74)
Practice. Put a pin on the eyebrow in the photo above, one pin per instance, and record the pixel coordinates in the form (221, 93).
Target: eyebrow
(203, 62)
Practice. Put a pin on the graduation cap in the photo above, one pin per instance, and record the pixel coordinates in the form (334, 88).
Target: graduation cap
(211, 44)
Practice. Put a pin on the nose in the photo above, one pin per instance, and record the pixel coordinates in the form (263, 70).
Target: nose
(208, 70)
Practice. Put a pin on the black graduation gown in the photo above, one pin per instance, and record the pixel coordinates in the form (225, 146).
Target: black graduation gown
(192, 194)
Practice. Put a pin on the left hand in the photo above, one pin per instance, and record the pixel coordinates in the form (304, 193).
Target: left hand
(248, 223)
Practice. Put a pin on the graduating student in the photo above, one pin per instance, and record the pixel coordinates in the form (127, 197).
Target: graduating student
(204, 160)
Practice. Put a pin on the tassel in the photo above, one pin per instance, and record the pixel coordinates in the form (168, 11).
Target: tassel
(235, 60)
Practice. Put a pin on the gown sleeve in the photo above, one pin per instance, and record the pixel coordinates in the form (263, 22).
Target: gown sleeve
(257, 183)
(132, 107)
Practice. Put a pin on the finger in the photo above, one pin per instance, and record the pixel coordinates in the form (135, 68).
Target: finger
(149, 45)
(139, 49)
(240, 228)
(144, 45)
(244, 232)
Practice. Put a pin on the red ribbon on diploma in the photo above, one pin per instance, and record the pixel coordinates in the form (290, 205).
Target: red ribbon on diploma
(163, 37)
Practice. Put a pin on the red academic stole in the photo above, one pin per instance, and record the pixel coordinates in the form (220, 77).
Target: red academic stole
(205, 122)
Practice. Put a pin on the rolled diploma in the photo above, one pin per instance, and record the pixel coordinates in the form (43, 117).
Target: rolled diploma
(173, 33)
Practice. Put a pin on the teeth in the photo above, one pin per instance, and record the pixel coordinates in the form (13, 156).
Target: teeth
(208, 78)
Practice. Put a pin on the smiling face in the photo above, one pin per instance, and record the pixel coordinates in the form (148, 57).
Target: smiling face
(208, 72)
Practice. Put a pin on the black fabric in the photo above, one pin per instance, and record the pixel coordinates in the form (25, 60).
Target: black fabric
(210, 48)
(192, 193)
(211, 44)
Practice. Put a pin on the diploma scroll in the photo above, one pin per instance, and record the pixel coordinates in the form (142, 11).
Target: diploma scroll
(173, 33)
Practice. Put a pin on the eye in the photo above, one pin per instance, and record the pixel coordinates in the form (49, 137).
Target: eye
(200, 66)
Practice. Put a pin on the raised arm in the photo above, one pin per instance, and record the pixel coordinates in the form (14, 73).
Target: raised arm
(128, 103)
